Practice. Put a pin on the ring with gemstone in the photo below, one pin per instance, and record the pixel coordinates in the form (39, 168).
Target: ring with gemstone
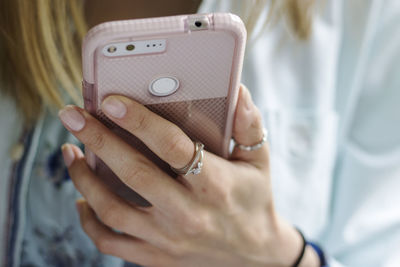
(195, 165)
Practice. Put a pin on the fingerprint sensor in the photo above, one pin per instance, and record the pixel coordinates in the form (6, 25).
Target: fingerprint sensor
(163, 86)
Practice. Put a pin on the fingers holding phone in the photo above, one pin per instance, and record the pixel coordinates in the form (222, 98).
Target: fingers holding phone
(162, 137)
(248, 132)
(186, 69)
(223, 200)
(130, 166)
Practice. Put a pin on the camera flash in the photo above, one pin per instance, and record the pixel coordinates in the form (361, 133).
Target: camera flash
(111, 49)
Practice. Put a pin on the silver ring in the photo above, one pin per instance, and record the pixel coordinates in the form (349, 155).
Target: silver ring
(195, 165)
(255, 146)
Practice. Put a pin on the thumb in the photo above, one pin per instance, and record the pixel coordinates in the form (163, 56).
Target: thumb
(248, 131)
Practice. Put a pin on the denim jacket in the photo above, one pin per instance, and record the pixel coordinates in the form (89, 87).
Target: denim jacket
(43, 226)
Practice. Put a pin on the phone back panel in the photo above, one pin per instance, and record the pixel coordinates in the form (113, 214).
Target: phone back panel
(207, 64)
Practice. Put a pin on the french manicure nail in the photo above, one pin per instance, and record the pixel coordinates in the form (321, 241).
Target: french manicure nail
(68, 154)
(72, 118)
(114, 107)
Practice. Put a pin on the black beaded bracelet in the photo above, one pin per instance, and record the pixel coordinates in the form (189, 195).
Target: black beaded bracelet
(303, 249)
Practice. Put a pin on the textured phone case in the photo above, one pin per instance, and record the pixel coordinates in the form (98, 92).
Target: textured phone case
(207, 64)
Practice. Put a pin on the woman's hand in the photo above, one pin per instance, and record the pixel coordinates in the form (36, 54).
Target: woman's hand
(223, 216)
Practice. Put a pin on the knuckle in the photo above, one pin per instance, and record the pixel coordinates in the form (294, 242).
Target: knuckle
(141, 121)
(109, 215)
(176, 145)
(219, 189)
(96, 141)
(130, 172)
(103, 244)
(136, 176)
(222, 197)
(195, 226)
(174, 244)
(177, 249)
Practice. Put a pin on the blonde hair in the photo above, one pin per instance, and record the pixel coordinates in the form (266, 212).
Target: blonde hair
(297, 14)
(40, 47)
(40, 52)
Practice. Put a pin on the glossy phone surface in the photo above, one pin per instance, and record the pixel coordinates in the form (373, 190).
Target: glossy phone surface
(185, 68)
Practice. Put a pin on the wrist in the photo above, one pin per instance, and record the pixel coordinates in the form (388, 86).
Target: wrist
(310, 258)
(289, 245)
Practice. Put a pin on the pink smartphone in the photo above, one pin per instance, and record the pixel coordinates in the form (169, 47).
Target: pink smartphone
(185, 68)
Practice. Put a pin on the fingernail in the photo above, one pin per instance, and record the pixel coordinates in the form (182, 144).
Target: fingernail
(114, 107)
(68, 154)
(72, 118)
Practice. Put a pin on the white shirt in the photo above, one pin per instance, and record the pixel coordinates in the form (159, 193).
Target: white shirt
(332, 106)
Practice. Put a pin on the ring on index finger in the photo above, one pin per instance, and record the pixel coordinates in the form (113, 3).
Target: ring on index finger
(195, 165)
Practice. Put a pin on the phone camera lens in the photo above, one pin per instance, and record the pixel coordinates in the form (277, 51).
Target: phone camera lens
(130, 47)
(198, 24)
